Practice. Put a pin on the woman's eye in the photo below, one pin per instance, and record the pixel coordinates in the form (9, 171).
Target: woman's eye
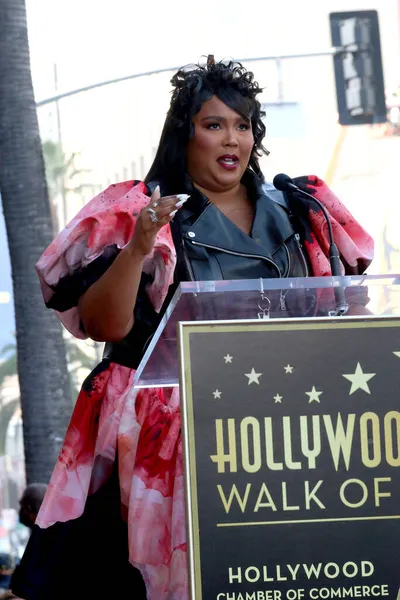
(216, 126)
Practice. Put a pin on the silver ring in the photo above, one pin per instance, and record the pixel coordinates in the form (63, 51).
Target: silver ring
(153, 215)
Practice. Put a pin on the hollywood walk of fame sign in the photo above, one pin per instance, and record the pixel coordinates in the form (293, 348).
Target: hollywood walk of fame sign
(292, 458)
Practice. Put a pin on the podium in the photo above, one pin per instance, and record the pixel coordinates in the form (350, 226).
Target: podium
(291, 430)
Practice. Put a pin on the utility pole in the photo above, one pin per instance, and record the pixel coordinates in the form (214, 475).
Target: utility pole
(277, 58)
(59, 140)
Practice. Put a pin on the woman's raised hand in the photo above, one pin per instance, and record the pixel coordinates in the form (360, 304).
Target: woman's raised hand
(152, 218)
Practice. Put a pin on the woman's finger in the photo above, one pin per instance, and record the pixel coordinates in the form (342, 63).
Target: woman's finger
(155, 197)
(168, 201)
(164, 211)
(173, 200)
(161, 210)
(155, 218)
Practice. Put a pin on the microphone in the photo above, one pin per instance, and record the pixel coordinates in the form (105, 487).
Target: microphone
(284, 183)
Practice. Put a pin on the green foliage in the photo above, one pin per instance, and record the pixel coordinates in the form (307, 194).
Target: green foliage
(8, 362)
(77, 359)
(61, 170)
(7, 411)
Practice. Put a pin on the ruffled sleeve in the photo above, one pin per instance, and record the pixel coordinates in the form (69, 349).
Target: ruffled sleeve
(356, 246)
(89, 244)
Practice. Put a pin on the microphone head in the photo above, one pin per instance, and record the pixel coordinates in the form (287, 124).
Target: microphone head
(283, 182)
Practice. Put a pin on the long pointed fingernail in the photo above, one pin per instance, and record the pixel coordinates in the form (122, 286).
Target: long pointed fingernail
(183, 196)
(173, 213)
(181, 202)
(156, 189)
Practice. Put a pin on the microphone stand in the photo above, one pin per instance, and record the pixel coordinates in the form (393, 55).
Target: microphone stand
(334, 259)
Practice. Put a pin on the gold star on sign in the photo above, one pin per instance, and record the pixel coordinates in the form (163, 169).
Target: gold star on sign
(228, 358)
(359, 380)
(313, 395)
(278, 399)
(253, 377)
(217, 394)
(288, 369)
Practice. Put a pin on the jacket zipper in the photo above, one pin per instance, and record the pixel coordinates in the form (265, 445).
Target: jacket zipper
(287, 273)
(187, 263)
(238, 254)
(297, 238)
(282, 295)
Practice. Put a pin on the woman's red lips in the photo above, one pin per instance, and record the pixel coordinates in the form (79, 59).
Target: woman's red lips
(228, 161)
(228, 157)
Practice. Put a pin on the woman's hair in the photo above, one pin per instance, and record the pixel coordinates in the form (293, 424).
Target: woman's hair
(192, 86)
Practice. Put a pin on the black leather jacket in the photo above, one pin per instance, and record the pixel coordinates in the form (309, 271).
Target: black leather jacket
(210, 247)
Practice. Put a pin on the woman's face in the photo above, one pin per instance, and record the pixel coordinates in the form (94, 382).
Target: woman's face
(220, 149)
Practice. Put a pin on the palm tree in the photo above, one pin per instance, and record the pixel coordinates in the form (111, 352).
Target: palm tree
(62, 176)
(79, 360)
(8, 362)
(8, 368)
(42, 367)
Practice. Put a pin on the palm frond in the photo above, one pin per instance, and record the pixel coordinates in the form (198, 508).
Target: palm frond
(8, 368)
(6, 413)
(8, 349)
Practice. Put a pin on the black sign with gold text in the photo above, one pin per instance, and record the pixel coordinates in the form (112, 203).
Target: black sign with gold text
(292, 449)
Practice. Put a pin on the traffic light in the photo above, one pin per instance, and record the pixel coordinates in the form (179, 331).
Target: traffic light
(360, 87)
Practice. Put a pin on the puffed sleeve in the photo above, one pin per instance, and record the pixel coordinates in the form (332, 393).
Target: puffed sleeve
(85, 249)
(356, 246)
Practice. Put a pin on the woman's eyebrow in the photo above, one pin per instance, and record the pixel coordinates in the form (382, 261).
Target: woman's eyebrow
(223, 119)
(213, 118)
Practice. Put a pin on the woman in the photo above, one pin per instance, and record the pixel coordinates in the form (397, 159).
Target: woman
(204, 212)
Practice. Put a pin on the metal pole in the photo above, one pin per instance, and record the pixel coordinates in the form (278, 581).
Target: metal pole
(278, 64)
(59, 135)
(276, 58)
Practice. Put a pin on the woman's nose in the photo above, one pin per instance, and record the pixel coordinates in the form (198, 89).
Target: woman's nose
(231, 137)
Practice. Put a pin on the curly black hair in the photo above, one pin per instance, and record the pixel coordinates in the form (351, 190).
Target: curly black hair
(192, 86)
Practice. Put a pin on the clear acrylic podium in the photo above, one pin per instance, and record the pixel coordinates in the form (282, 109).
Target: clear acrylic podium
(376, 295)
(254, 502)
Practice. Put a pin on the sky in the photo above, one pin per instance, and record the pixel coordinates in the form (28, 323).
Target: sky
(91, 42)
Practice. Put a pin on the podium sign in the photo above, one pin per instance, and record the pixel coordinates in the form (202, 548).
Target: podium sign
(292, 458)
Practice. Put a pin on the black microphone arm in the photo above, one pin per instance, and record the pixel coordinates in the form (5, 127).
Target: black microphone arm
(284, 183)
